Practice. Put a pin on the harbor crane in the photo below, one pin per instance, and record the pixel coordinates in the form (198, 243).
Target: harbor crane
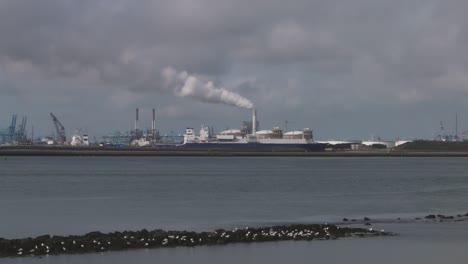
(8, 135)
(21, 133)
(61, 138)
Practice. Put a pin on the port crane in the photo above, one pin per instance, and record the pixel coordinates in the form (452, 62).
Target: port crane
(61, 138)
(8, 135)
(21, 133)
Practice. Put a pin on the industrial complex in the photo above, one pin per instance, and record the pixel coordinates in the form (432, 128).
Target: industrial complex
(248, 135)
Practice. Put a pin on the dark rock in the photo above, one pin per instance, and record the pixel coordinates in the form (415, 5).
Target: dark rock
(448, 217)
(43, 238)
(366, 219)
(99, 242)
(367, 224)
(430, 217)
(345, 220)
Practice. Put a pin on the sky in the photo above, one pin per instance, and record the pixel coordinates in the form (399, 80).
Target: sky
(348, 69)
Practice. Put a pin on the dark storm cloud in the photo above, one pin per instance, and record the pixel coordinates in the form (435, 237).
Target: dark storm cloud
(118, 39)
(310, 52)
(130, 42)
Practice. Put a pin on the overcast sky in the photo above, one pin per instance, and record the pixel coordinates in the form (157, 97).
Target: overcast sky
(348, 69)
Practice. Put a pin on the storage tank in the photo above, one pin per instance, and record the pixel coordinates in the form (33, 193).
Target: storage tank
(265, 134)
(235, 132)
(297, 134)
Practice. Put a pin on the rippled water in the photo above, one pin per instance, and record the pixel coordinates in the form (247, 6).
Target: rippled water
(75, 195)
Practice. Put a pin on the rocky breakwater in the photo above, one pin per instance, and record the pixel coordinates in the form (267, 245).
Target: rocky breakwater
(446, 218)
(100, 242)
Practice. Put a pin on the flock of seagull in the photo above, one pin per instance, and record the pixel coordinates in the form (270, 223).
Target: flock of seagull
(98, 242)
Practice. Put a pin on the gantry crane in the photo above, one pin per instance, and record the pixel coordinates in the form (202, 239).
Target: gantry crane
(61, 138)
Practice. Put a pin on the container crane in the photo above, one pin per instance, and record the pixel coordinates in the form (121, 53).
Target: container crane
(8, 135)
(61, 138)
(21, 134)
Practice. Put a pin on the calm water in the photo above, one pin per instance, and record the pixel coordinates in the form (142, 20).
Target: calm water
(75, 195)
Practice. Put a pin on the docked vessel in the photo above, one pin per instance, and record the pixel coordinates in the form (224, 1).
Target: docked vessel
(248, 138)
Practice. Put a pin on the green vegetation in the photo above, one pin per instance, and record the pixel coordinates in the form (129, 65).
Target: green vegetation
(426, 145)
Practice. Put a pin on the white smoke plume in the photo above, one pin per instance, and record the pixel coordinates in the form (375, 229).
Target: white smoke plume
(185, 85)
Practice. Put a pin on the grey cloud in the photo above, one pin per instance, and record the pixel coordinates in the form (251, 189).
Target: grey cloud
(400, 52)
(67, 37)
(7, 89)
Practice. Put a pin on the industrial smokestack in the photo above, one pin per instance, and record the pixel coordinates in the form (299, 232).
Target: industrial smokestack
(136, 120)
(254, 120)
(153, 125)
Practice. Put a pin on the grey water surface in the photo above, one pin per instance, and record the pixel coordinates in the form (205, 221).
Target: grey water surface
(76, 195)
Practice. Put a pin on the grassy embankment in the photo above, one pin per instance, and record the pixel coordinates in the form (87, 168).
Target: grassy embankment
(437, 146)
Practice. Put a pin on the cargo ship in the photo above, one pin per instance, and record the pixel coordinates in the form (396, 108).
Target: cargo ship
(248, 138)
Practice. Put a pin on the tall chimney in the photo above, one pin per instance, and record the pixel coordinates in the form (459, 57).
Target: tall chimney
(136, 120)
(153, 125)
(254, 121)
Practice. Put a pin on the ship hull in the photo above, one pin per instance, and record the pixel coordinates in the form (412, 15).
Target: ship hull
(255, 146)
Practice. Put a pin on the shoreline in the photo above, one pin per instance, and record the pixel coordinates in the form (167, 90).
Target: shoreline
(115, 151)
(223, 153)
